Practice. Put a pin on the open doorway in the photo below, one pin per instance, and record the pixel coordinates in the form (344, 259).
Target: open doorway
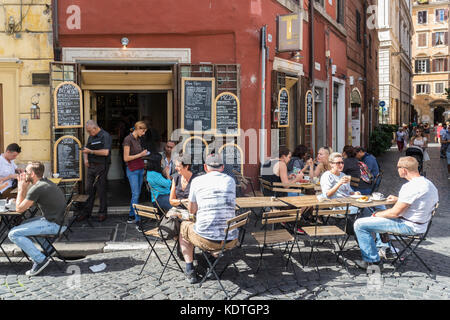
(117, 112)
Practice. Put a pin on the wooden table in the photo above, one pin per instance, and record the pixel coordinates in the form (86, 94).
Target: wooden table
(259, 202)
(311, 201)
(7, 218)
(363, 205)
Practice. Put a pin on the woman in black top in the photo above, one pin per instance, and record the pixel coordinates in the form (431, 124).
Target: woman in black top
(351, 168)
(181, 181)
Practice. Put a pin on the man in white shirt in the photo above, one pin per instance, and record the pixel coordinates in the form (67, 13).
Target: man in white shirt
(8, 169)
(409, 216)
(212, 199)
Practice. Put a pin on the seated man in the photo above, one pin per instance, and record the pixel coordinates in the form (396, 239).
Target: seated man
(34, 189)
(212, 199)
(8, 170)
(409, 216)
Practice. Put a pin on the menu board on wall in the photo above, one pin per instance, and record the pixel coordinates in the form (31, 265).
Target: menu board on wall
(67, 158)
(227, 111)
(309, 108)
(197, 95)
(232, 155)
(283, 108)
(68, 106)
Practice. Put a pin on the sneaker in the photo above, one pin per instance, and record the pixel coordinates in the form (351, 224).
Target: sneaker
(299, 231)
(191, 277)
(364, 264)
(138, 228)
(38, 267)
(131, 220)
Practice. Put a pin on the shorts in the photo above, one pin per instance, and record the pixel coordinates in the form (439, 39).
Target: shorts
(188, 234)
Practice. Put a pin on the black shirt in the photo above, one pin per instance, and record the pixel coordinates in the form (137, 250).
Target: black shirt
(98, 142)
(351, 168)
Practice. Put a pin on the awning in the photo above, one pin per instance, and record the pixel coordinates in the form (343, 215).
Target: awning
(126, 79)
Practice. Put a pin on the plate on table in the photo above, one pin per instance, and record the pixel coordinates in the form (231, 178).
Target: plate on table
(355, 196)
(363, 199)
(382, 199)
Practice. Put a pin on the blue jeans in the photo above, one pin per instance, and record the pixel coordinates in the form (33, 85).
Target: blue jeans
(365, 227)
(33, 227)
(136, 178)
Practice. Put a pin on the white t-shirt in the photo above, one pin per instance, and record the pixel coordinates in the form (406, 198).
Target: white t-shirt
(215, 195)
(6, 169)
(421, 194)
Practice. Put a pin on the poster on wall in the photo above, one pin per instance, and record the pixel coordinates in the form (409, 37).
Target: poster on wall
(197, 96)
(283, 108)
(309, 108)
(68, 106)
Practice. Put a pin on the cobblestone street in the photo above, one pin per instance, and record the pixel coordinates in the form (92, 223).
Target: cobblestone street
(121, 279)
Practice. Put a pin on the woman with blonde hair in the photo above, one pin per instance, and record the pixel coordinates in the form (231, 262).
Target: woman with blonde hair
(322, 163)
(132, 155)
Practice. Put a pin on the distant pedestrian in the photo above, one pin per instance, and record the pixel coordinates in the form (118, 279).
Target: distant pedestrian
(401, 139)
(438, 133)
(445, 140)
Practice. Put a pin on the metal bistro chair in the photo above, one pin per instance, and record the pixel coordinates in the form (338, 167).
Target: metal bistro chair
(318, 233)
(153, 234)
(51, 239)
(407, 242)
(237, 222)
(244, 182)
(151, 192)
(376, 182)
(278, 237)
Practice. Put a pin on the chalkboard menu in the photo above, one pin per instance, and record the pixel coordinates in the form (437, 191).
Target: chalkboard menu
(197, 95)
(226, 109)
(67, 158)
(232, 155)
(283, 108)
(309, 108)
(68, 106)
(197, 148)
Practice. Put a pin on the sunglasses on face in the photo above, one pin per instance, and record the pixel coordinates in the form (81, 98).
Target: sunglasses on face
(338, 162)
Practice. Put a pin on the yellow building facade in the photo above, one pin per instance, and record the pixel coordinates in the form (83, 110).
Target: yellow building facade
(26, 50)
(431, 60)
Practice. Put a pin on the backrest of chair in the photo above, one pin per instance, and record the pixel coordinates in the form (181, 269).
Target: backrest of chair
(146, 212)
(266, 187)
(237, 222)
(354, 182)
(151, 191)
(72, 190)
(376, 182)
(433, 213)
(280, 216)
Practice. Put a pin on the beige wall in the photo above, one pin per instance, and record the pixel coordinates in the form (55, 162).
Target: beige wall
(422, 101)
(27, 50)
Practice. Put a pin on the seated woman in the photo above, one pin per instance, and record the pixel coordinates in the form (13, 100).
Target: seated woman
(334, 183)
(322, 164)
(181, 183)
(276, 170)
(351, 168)
(160, 186)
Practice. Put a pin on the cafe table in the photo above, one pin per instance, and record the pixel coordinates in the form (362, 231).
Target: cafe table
(8, 219)
(259, 202)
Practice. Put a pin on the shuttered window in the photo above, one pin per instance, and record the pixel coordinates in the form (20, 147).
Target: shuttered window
(422, 40)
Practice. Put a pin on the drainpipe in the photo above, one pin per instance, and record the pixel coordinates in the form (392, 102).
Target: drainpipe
(263, 93)
(55, 23)
(311, 52)
(366, 104)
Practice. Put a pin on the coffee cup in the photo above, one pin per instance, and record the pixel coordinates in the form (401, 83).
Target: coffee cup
(377, 196)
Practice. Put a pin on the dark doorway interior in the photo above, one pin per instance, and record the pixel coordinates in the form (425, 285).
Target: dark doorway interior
(438, 115)
(117, 112)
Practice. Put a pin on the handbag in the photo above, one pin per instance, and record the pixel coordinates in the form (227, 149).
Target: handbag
(136, 164)
(169, 227)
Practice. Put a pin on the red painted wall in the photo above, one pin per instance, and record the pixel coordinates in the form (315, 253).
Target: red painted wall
(217, 31)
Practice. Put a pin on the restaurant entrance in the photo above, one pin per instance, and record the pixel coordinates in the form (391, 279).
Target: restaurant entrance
(117, 112)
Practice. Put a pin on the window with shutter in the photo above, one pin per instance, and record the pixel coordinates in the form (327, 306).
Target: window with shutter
(422, 40)
(439, 88)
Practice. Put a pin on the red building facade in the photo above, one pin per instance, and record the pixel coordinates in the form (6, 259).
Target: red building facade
(169, 40)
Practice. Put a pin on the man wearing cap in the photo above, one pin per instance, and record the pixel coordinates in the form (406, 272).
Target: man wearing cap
(212, 199)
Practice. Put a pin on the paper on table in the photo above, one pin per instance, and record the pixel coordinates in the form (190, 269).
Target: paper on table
(98, 267)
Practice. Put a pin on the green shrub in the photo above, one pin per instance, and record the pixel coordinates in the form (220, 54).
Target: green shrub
(380, 139)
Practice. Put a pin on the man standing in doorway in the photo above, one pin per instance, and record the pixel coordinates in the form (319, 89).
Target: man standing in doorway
(167, 163)
(97, 157)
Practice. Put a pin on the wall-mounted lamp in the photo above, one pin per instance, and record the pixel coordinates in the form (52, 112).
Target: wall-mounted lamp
(124, 41)
(296, 56)
(276, 113)
(35, 110)
(11, 25)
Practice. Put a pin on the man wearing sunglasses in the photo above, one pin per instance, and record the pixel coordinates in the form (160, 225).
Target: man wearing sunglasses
(409, 216)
